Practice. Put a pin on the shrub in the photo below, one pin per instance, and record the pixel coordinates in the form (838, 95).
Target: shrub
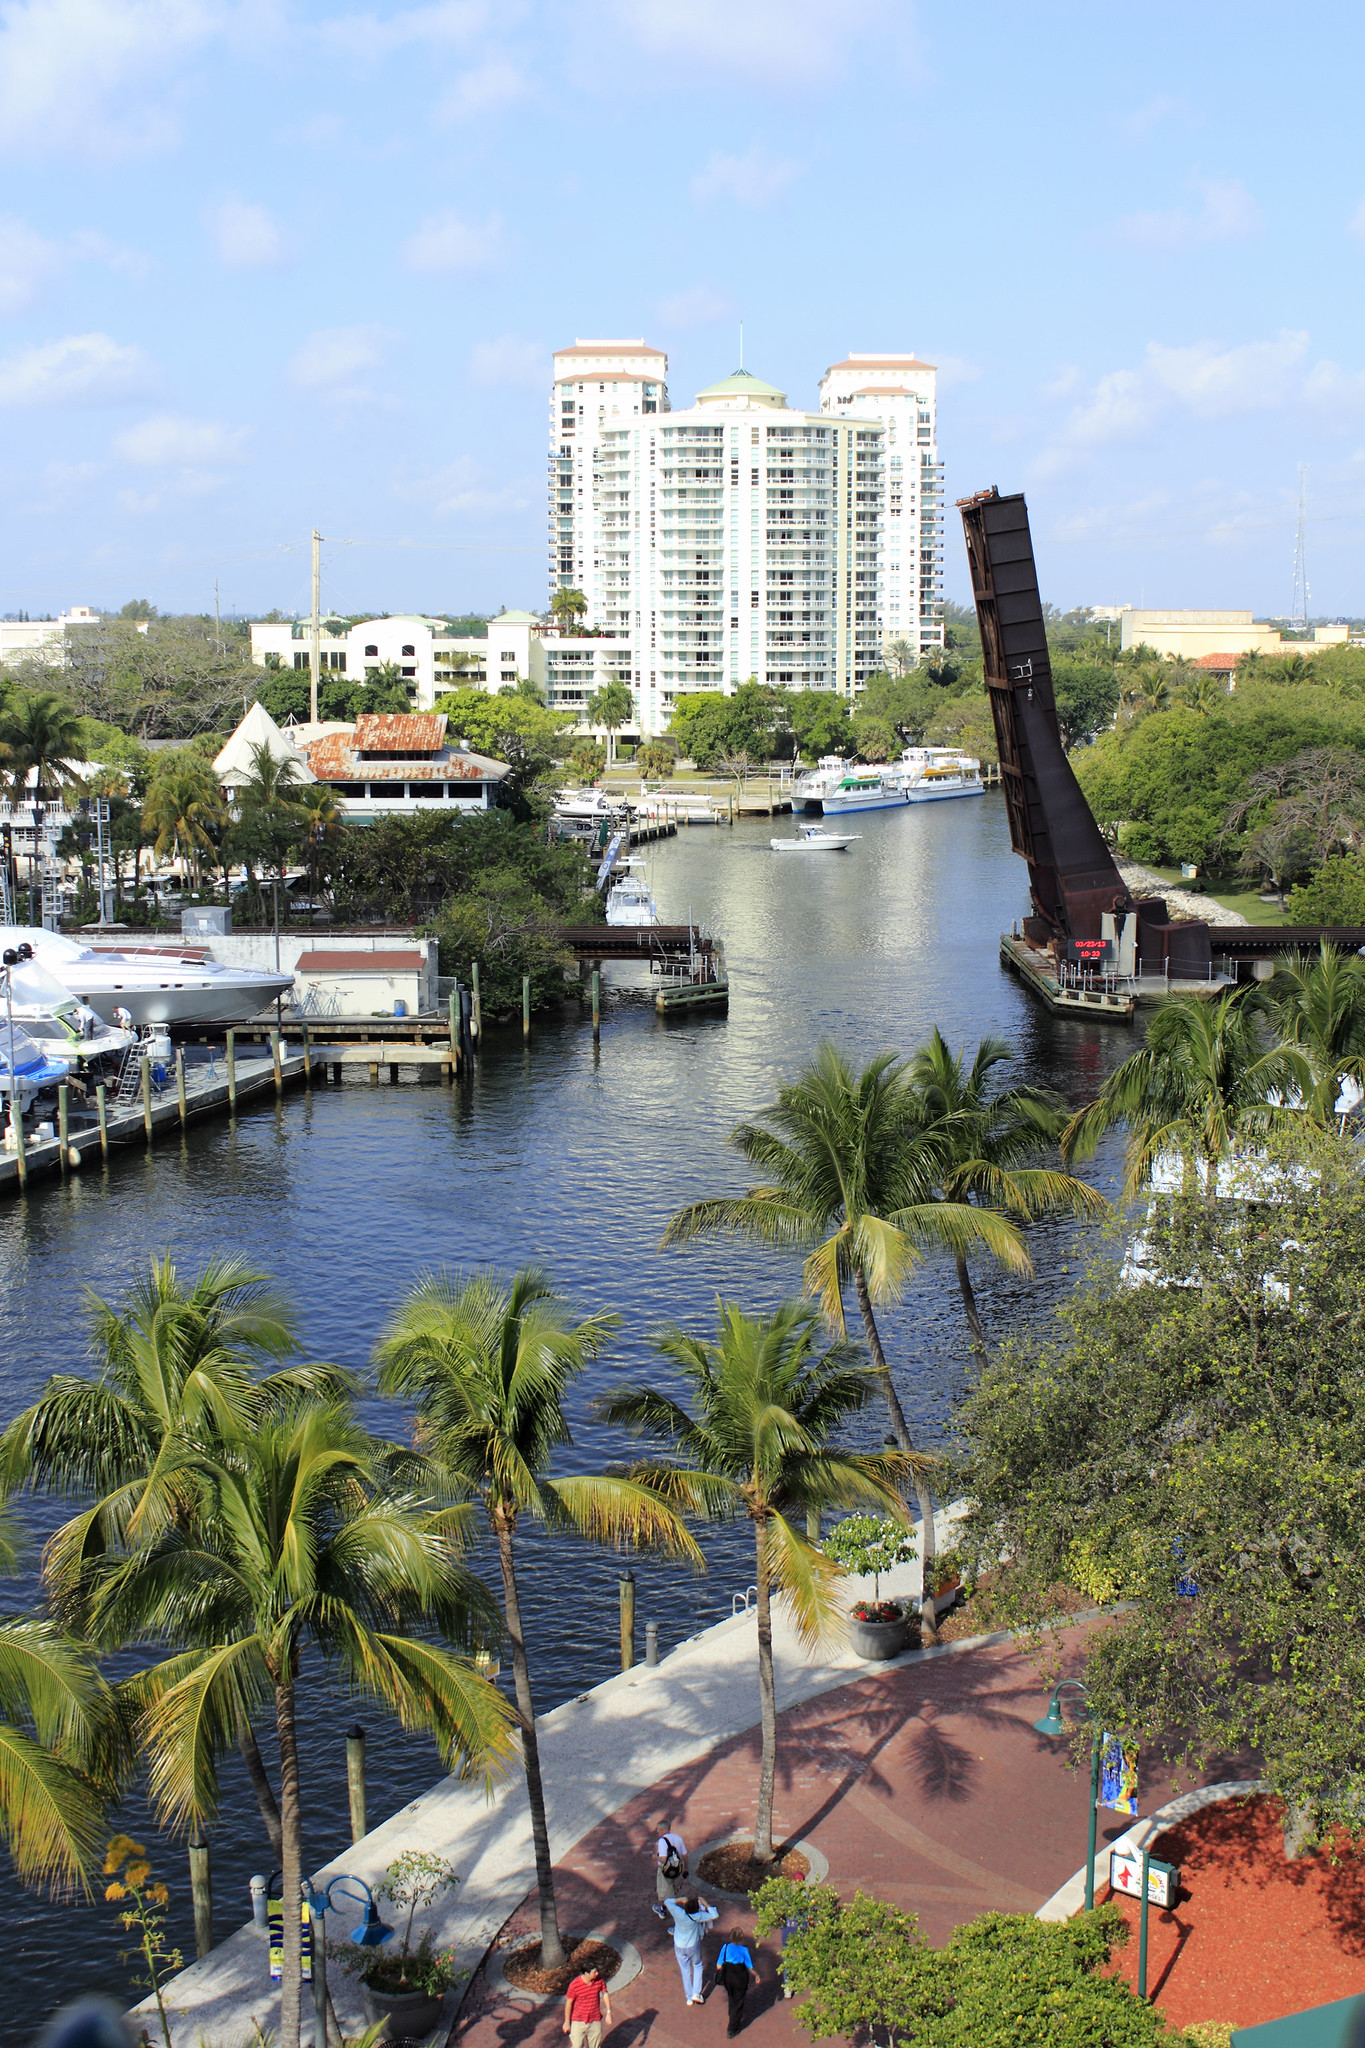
(1334, 895)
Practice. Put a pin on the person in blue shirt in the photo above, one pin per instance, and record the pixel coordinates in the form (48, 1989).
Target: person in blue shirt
(735, 1971)
(689, 1919)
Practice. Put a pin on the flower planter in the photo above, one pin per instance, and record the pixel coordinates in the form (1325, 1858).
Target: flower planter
(411, 2015)
(877, 1640)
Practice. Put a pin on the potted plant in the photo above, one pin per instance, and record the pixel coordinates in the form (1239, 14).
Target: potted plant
(403, 1985)
(871, 1545)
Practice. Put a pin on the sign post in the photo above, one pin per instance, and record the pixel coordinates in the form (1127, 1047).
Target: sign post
(1138, 1875)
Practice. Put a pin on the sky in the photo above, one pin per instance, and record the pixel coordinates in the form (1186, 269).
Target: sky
(266, 266)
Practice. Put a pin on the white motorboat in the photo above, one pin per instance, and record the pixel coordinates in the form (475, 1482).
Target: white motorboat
(863, 789)
(27, 1069)
(588, 805)
(809, 790)
(814, 839)
(62, 1025)
(929, 774)
(630, 899)
(161, 985)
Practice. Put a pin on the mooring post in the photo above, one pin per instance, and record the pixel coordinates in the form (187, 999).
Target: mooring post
(453, 1011)
(625, 1586)
(526, 1006)
(63, 1121)
(102, 1111)
(651, 1642)
(275, 1056)
(260, 1905)
(180, 1085)
(597, 1002)
(478, 1005)
(355, 1779)
(201, 1890)
(147, 1097)
(307, 1059)
(232, 1070)
(16, 1117)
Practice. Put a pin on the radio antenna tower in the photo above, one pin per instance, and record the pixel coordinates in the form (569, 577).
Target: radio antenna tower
(1298, 610)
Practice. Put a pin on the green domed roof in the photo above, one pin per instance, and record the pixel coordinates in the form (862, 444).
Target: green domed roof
(741, 384)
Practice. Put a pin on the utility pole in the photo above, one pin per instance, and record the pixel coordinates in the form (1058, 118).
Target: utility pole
(1298, 605)
(315, 654)
(217, 620)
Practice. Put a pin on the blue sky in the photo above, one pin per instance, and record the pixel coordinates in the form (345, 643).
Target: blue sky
(265, 266)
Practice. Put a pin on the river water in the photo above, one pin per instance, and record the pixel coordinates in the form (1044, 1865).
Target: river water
(574, 1157)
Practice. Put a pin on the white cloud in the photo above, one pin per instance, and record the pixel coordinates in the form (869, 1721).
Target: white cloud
(1226, 212)
(955, 370)
(333, 362)
(447, 24)
(754, 179)
(775, 42)
(247, 237)
(486, 89)
(168, 441)
(89, 243)
(81, 369)
(461, 487)
(510, 361)
(90, 76)
(445, 242)
(694, 307)
(1143, 120)
(27, 263)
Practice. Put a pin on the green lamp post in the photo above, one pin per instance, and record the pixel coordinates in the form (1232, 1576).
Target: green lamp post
(1053, 1724)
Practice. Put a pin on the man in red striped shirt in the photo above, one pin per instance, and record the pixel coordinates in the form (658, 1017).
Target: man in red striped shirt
(587, 2007)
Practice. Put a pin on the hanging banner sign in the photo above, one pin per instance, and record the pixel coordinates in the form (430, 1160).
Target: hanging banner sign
(1118, 1775)
(274, 1920)
(1125, 1875)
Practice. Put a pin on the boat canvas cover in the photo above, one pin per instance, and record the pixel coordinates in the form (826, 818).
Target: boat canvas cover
(31, 1063)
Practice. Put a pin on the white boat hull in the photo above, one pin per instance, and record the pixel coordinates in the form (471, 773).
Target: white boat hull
(933, 795)
(838, 806)
(815, 842)
(153, 990)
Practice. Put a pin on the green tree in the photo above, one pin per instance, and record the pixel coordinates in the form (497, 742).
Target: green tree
(852, 1180)
(488, 1362)
(707, 723)
(1087, 697)
(512, 729)
(60, 1742)
(567, 607)
(502, 922)
(42, 743)
(1208, 1082)
(1298, 812)
(184, 809)
(611, 707)
(657, 759)
(1334, 895)
(1318, 1002)
(299, 1542)
(758, 1441)
(820, 721)
(270, 819)
(1197, 1451)
(987, 1135)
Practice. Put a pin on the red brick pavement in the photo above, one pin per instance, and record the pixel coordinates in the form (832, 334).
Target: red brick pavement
(925, 1784)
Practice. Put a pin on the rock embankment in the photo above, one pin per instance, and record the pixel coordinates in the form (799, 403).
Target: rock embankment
(1182, 902)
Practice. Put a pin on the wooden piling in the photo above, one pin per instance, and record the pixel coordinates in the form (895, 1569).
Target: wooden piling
(355, 1779)
(275, 1056)
(147, 1097)
(374, 1073)
(201, 1891)
(596, 1002)
(102, 1111)
(307, 1058)
(526, 1006)
(180, 1086)
(336, 1075)
(393, 1075)
(16, 1117)
(626, 1589)
(232, 1071)
(64, 1122)
(478, 1005)
(454, 1011)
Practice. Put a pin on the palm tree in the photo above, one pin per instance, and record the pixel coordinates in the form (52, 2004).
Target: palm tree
(1205, 1082)
(852, 1181)
(178, 1366)
(756, 1441)
(1318, 1002)
(323, 828)
(41, 737)
(567, 607)
(298, 1544)
(270, 814)
(487, 1361)
(988, 1134)
(610, 707)
(184, 808)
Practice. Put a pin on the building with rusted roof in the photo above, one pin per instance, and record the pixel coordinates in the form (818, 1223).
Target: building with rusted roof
(396, 764)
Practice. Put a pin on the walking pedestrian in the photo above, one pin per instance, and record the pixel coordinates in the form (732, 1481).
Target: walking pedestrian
(587, 2004)
(734, 1972)
(670, 1856)
(690, 1919)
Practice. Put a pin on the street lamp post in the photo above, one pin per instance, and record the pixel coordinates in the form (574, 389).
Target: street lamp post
(1053, 1724)
(371, 1933)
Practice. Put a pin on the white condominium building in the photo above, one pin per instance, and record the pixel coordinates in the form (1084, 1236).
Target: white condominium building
(742, 538)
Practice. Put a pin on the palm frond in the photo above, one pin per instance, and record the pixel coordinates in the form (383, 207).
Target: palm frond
(626, 1515)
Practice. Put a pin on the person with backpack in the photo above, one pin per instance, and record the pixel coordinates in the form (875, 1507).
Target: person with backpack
(734, 1972)
(689, 1919)
(670, 1868)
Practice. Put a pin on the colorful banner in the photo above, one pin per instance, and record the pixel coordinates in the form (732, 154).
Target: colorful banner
(1118, 1775)
(274, 1920)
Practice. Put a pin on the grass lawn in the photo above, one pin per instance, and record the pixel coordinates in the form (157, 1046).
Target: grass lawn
(1245, 902)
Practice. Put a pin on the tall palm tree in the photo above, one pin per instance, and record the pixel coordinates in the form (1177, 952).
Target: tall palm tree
(184, 809)
(1318, 1002)
(757, 1440)
(610, 707)
(488, 1360)
(178, 1365)
(299, 1544)
(1207, 1081)
(988, 1134)
(270, 817)
(41, 737)
(853, 1181)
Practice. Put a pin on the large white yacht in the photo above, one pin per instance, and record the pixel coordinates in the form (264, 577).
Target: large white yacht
(928, 774)
(862, 789)
(158, 985)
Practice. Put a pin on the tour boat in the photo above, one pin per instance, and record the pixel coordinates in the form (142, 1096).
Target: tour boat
(809, 789)
(814, 839)
(161, 985)
(863, 789)
(928, 774)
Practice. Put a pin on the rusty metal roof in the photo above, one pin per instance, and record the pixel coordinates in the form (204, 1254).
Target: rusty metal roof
(399, 732)
(334, 758)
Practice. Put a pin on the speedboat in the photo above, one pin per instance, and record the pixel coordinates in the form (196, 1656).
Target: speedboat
(587, 804)
(60, 1023)
(161, 985)
(630, 899)
(27, 1070)
(928, 774)
(815, 839)
(863, 789)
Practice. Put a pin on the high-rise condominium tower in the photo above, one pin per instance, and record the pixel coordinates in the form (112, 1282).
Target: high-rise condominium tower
(742, 538)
